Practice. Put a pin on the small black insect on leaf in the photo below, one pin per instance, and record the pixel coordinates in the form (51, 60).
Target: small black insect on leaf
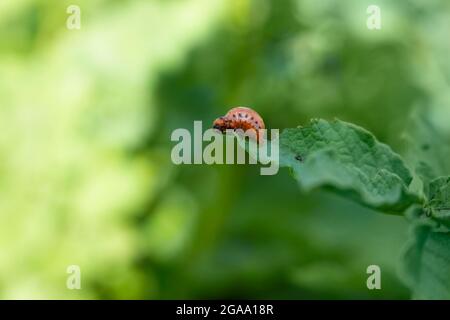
(299, 158)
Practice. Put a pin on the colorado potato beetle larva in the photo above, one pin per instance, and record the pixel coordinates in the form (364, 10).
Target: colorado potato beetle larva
(240, 118)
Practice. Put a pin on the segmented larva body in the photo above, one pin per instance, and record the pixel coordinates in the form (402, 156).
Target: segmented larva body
(240, 118)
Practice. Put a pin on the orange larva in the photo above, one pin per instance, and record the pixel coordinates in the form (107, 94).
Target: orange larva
(240, 118)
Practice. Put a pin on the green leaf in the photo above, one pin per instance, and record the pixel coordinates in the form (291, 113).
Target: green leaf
(426, 262)
(428, 149)
(439, 200)
(349, 160)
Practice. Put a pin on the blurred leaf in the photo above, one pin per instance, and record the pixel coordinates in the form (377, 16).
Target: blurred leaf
(349, 160)
(426, 260)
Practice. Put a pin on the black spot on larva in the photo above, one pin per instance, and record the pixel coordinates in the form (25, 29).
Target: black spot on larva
(234, 116)
(251, 118)
(246, 115)
(240, 115)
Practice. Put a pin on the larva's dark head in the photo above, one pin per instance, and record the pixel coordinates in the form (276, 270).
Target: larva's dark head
(221, 124)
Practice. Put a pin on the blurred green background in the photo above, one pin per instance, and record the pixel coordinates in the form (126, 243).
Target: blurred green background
(86, 117)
